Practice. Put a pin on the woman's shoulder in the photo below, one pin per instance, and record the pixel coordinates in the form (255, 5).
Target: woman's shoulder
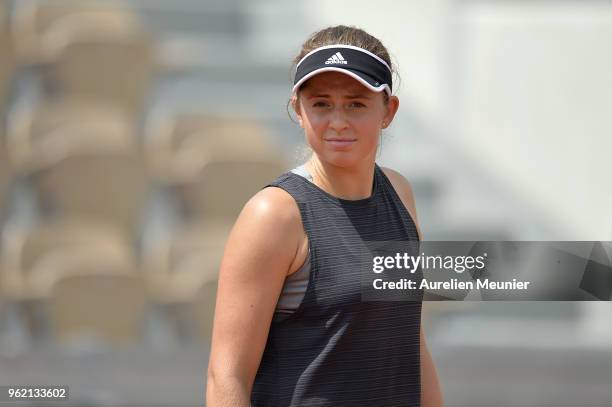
(400, 183)
(272, 205)
(269, 225)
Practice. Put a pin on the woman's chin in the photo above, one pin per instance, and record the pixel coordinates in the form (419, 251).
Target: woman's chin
(345, 160)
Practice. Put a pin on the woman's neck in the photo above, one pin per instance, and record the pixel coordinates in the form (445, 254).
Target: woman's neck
(345, 183)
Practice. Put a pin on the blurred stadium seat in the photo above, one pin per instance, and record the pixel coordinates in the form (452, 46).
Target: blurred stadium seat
(6, 59)
(107, 186)
(33, 259)
(111, 307)
(34, 19)
(177, 267)
(223, 186)
(3, 11)
(199, 155)
(2, 289)
(99, 60)
(92, 170)
(5, 180)
(35, 133)
(178, 149)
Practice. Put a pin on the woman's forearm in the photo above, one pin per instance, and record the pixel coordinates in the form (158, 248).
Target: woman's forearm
(431, 394)
(226, 392)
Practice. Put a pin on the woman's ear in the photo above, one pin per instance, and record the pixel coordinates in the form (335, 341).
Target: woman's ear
(391, 110)
(295, 104)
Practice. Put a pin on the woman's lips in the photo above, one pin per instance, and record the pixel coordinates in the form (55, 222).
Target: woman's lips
(340, 142)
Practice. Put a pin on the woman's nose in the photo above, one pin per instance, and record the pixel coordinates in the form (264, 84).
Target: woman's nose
(338, 121)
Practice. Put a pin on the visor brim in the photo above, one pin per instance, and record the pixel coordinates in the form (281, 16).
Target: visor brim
(362, 78)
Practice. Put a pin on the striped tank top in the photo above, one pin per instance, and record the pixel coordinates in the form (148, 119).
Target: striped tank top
(335, 349)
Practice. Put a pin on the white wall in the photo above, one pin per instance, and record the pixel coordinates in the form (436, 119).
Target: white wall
(535, 105)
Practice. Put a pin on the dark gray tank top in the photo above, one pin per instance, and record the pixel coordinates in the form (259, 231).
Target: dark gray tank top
(335, 349)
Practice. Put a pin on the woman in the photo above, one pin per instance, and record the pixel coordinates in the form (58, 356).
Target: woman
(290, 326)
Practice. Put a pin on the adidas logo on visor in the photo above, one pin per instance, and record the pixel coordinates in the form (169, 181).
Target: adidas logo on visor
(337, 58)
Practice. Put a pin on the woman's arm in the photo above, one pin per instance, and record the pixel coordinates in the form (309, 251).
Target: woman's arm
(258, 255)
(431, 395)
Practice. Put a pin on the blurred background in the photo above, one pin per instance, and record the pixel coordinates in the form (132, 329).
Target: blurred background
(122, 124)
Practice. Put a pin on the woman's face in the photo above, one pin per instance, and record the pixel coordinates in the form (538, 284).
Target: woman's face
(342, 118)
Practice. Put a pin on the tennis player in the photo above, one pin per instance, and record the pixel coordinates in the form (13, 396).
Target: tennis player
(290, 326)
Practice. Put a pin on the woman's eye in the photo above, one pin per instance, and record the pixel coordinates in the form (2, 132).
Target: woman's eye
(357, 104)
(320, 104)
